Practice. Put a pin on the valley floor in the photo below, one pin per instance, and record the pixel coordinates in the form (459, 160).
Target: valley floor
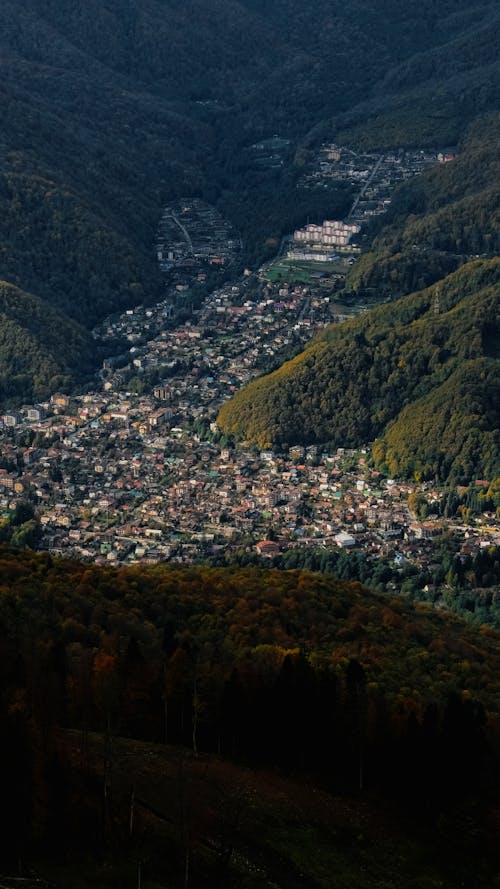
(137, 470)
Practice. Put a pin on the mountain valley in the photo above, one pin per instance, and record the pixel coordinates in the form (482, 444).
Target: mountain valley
(250, 444)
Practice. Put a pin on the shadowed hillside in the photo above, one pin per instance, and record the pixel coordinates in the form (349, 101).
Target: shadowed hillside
(243, 727)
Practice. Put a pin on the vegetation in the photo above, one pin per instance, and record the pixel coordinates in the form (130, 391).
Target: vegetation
(451, 433)
(350, 690)
(20, 527)
(466, 584)
(432, 95)
(40, 350)
(407, 372)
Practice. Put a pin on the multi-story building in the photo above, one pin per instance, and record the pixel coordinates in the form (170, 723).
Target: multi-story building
(36, 414)
(330, 233)
(12, 418)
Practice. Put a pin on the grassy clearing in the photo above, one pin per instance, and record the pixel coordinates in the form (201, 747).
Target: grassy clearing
(301, 272)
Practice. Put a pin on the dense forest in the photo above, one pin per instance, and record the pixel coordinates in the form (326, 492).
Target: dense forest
(111, 109)
(305, 676)
(420, 375)
(466, 584)
(38, 347)
(431, 95)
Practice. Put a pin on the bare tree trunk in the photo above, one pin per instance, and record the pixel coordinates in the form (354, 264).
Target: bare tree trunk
(132, 812)
(84, 746)
(196, 705)
(183, 821)
(108, 774)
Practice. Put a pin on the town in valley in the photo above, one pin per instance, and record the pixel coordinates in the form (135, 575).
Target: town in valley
(136, 468)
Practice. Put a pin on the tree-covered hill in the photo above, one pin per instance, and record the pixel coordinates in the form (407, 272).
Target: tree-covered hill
(451, 433)
(435, 348)
(433, 94)
(38, 347)
(371, 717)
(220, 620)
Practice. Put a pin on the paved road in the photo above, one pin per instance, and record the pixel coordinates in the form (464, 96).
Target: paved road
(182, 228)
(365, 186)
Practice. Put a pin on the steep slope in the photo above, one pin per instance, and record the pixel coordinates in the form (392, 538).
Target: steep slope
(453, 432)
(368, 729)
(39, 349)
(352, 381)
(430, 97)
(85, 155)
(279, 831)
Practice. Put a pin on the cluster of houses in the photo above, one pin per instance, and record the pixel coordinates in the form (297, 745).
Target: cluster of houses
(239, 329)
(373, 178)
(193, 233)
(111, 487)
(372, 175)
(138, 470)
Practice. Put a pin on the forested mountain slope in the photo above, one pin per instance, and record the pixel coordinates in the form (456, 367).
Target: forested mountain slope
(235, 628)
(432, 95)
(437, 349)
(453, 432)
(38, 347)
(362, 702)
